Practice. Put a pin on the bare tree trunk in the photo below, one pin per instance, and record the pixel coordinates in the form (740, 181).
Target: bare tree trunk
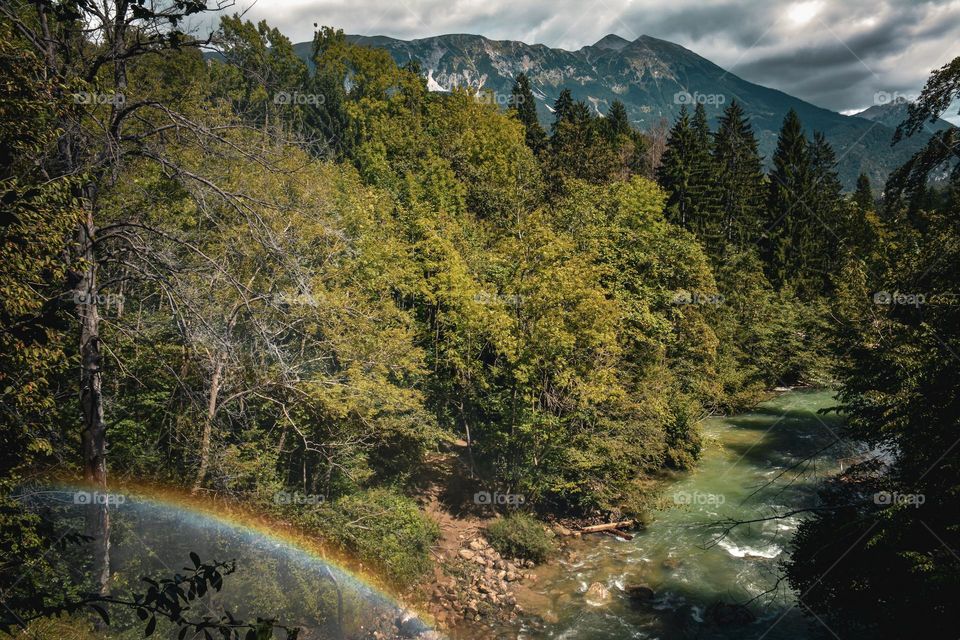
(94, 435)
(208, 422)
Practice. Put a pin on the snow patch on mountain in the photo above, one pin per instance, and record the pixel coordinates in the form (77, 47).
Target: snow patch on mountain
(433, 85)
(596, 105)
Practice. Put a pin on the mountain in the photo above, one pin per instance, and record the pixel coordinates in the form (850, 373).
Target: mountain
(652, 77)
(896, 111)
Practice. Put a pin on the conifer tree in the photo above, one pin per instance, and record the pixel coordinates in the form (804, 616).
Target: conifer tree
(863, 196)
(704, 206)
(790, 188)
(562, 110)
(821, 233)
(737, 181)
(327, 122)
(578, 145)
(675, 171)
(617, 120)
(521, 99)
(626, 147)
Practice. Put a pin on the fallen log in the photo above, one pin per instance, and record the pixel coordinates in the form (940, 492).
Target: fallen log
(618, 534)
(610, 526)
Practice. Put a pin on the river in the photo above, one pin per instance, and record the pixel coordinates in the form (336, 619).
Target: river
(753, 467)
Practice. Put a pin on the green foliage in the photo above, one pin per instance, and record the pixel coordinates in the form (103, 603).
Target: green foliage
(315, 295)
(738, 191)
(789, 215)
(806, 213)
(899, 388)
(585, 146)
(687, 171)
(519, 535)
(382, 529)
(36, 215)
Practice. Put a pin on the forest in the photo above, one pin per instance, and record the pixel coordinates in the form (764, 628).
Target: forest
(238, 276)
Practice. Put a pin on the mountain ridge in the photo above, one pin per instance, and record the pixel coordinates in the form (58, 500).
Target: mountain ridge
(653, 78)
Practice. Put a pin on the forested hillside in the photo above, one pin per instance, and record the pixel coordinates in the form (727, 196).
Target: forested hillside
(243, 276)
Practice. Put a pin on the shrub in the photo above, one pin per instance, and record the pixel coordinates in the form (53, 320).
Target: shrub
(383, 529)
(520, 536)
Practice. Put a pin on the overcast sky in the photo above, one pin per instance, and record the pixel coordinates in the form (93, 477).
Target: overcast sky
(834, 53)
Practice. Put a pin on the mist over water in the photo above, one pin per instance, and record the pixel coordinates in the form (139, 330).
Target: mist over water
(752, 468)
(273, 578)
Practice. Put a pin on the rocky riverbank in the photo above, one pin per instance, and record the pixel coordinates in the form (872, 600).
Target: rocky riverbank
(476, 586)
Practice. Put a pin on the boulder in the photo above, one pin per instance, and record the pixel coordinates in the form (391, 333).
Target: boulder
(639, 592)
(597, 595)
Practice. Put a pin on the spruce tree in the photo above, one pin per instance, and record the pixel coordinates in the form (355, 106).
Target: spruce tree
(820, 236)
(737, 183)
(787, 207)
(521, 99)
(617, 121)
(562, 110)
(327, 124)
(702, 172)
(626, 147)
(578, 145)
(675, 170)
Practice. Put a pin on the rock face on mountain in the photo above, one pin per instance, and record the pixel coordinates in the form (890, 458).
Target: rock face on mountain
(652, 78)
(891, 112)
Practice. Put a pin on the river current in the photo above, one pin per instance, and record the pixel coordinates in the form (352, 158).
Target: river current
(756, 465)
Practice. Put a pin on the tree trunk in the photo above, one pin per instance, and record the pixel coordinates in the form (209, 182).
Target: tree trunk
(208, 422)
(610, 526)
(93, 438)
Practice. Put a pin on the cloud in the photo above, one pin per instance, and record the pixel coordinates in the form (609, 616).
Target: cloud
(833, 53)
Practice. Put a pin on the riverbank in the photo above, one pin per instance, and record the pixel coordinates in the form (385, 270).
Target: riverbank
(679, 575)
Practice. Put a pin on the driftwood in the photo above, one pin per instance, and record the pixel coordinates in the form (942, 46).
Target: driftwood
(618, 534)
(610, 526)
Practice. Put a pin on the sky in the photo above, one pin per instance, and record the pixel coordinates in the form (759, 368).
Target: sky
(845, 55)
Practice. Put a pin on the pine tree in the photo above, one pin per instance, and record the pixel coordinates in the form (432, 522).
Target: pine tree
(737, 182)
(521, 99)
(675, 171)
(562, 110)
(579, 147)
(327, 123)
(617, 121)
(787, 205)
(702, 173)
(820, 235)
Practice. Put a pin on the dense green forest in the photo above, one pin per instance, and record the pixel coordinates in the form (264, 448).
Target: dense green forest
(235, 276)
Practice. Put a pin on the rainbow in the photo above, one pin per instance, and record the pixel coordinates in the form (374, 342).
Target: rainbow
(254, 528)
